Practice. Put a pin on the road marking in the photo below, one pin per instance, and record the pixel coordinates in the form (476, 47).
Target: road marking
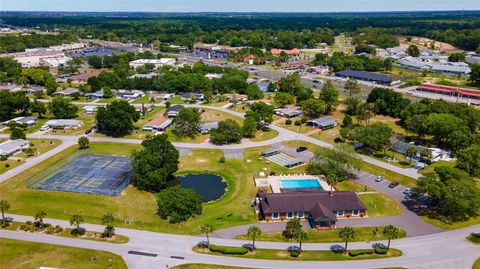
(177, 257)
(133, 252)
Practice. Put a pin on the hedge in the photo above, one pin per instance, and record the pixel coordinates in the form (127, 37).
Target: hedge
(229, 250)
(381, 251)
(358, 252)
(474, 237)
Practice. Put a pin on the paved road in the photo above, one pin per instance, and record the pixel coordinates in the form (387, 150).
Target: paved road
(440, 250)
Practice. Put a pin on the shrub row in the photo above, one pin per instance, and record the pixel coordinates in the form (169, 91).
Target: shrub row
(358, 252)
(229, 250)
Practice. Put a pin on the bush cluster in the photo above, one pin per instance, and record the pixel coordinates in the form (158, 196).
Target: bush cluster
(358, 252)
(229, 250)
(295, 253)
(475, 237)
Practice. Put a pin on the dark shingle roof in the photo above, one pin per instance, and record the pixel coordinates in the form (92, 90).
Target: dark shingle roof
(308, 201)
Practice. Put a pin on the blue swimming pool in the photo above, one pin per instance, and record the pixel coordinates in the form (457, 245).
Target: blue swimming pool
(299, 184)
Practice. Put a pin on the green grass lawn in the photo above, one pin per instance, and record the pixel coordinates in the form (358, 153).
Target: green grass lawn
(142, 100)
(476, 264)
(362, 234)
(379, 204)
(352, 185)
(22, 254)
(432, 167)
(307, 255)
(453, 225)
(264, 135)
(9, 164)
(139, 207)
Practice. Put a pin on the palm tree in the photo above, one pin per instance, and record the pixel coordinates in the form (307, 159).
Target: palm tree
(76, 220)
(40, 215)
(302, 236)
(347, 234)
(4, 206)
(253, 232)
(390, 232)
(426, 155)
(207, 229)
(108, 221)
(411, 152)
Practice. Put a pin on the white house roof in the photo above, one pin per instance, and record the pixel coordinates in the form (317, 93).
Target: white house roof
(10, 146)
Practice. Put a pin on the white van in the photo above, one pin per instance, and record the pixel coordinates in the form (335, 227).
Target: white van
(44, 128)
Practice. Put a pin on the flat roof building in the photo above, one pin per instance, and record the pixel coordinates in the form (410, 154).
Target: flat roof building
(208, 126)
(29, 121)
(158, 63)
(172, 111)
(289, 112)
(94, 95)
(67, 92)
(367, 76)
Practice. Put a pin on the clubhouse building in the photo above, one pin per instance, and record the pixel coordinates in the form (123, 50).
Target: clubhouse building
(321, 208)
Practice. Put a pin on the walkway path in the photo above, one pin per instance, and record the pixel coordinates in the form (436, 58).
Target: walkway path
(441, 250)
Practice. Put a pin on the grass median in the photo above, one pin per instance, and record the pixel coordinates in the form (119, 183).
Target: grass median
(306, 255)
(362, 234)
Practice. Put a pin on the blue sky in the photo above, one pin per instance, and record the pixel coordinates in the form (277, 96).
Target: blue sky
(238, 5)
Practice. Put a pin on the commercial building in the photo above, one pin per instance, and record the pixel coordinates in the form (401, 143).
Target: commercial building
(322, 208)
(157, 62)
(12, 147)
(450, 91)
(323, 122)
(367, 76)
(83, 77)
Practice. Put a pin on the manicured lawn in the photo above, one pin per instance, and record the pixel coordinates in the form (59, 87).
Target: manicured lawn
(205, 266)
(352, 185)
(22, 254)
(139, 207)
(453, 225)
(476, 264)
(177, 100)
(41, 146)
(362, 234)
(307, 255)
(9, 164)
(264, 135)
(379, 204)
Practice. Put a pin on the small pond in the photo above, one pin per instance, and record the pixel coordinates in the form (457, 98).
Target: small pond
(209, 186)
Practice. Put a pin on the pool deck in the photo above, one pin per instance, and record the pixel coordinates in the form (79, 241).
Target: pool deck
(274, 181)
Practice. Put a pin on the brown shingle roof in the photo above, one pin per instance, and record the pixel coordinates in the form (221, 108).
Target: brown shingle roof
(309, 201)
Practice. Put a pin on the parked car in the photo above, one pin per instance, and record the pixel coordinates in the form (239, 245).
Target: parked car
(393, 185)
(379, 179)
(300, 149)
(407, 191)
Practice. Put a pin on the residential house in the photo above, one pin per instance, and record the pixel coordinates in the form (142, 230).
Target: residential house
(162, 96)
(208, 126)
(63, 124)
(158, 124)
(199, 97)
(323, 122)
(67, 92)
(35, 89)
(94, 95)
(172, 111)
(289, 112)
(129, 94)
(20, 121)
(90, 109)
(322, 208)
(235, 97)
(437, 154)
(12, 147)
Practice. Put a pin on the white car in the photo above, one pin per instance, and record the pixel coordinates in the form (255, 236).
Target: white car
(379, 178)
(44, 128)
